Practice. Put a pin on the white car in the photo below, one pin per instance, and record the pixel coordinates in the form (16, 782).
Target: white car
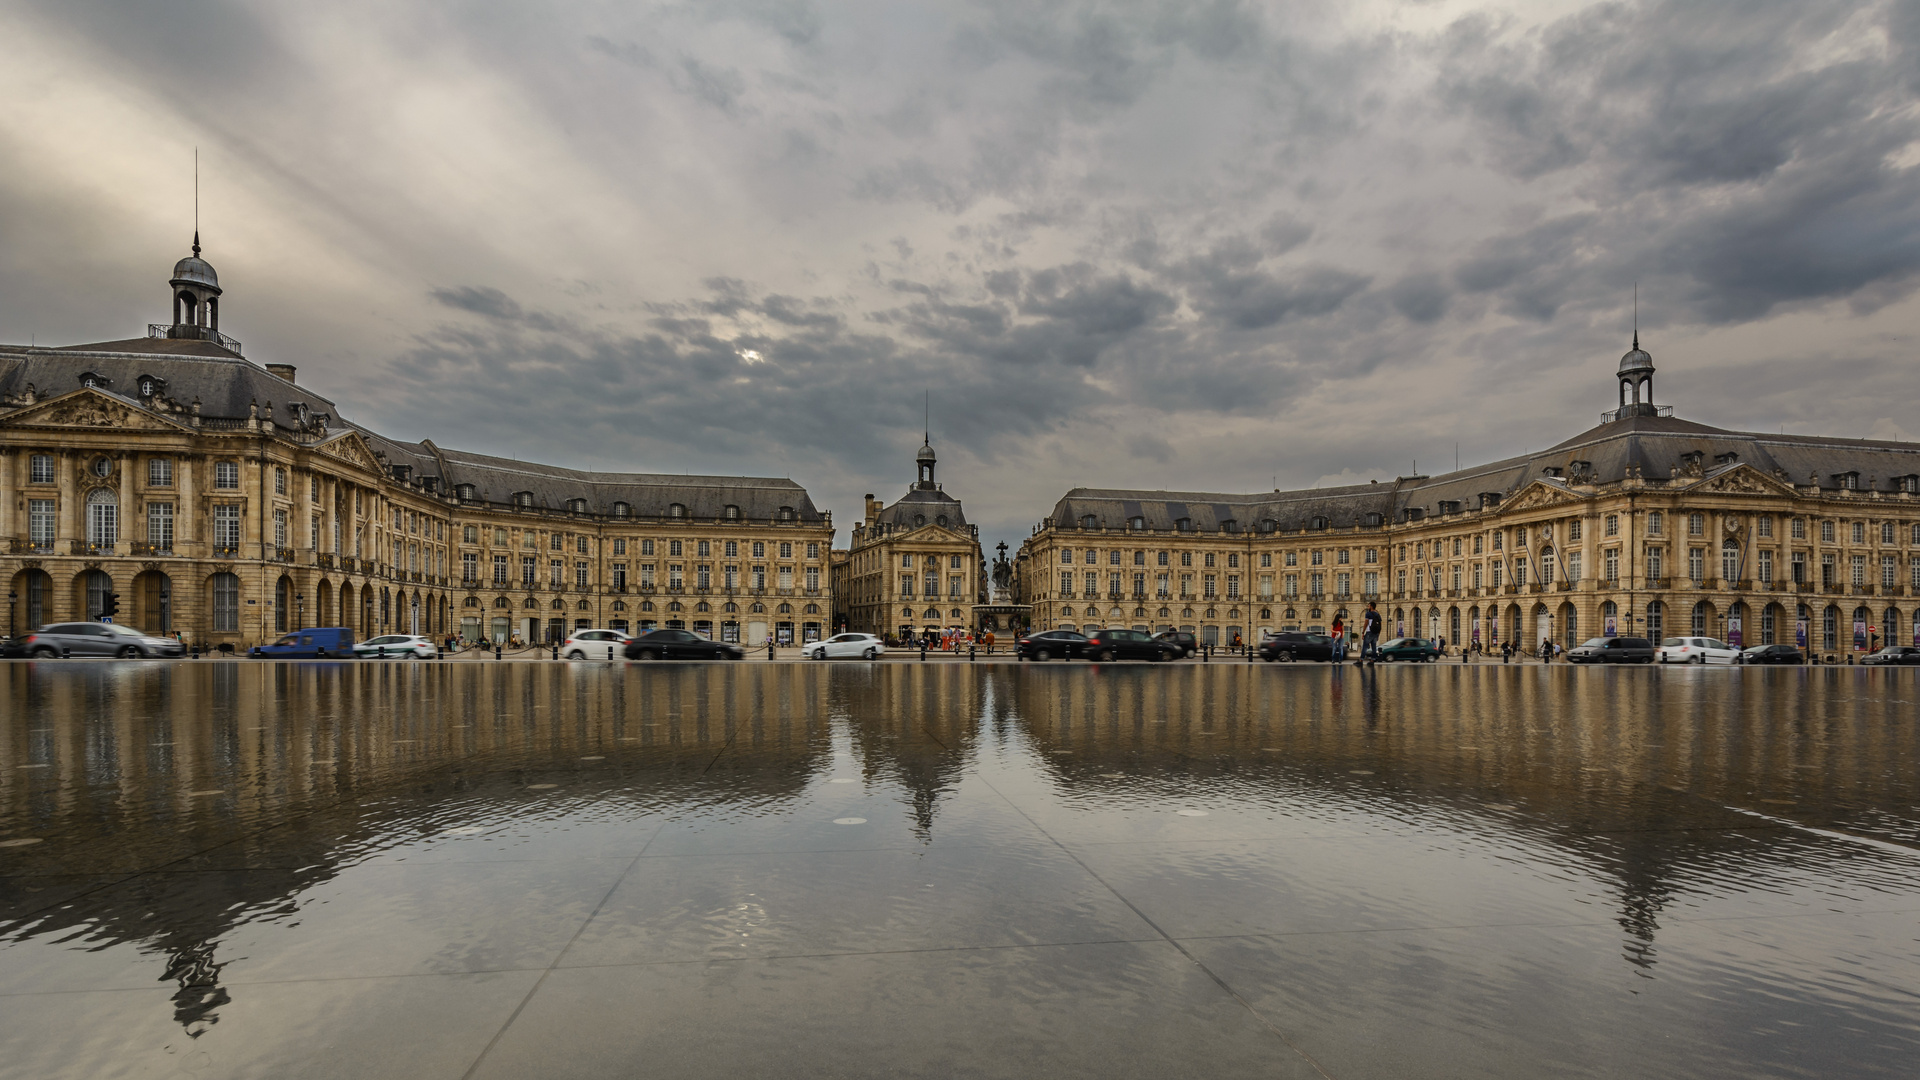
(1696, 650)
(864, 646)
(396, 646)
(594, 645)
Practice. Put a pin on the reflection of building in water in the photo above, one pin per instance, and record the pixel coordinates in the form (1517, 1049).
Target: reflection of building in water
(915, 725)
(1646, 524)
(1618, 775)
(311, 767)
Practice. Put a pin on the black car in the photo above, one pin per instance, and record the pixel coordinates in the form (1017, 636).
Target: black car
(1179, 639)
(1772, 654)
(1108, 645)
(1296, 645)
(680, 645)
(1048, 644)
(12, 648)
(1902, 655)
(1612, 650)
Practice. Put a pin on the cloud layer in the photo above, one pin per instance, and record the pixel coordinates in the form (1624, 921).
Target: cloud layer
(1175, 244)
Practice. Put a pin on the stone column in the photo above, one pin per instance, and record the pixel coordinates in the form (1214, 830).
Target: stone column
(124, 541)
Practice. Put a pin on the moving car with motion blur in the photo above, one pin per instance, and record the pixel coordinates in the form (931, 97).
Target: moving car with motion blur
(681, 645)
(1051, 644)
(594, 645)
(315, 643)
(864, 646)
(1772, 654)
(1612, 650)
(97, 639)
(1290, 645)
(1107, 646)
(395, 647)
(1410, 649)
(1180, 639)
(1697, 650)
(1894, 656)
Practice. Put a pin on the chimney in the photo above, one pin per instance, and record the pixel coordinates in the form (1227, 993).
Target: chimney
(285, 371)
(873, 509)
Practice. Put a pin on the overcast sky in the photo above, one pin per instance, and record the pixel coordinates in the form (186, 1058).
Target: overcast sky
(1185, 245)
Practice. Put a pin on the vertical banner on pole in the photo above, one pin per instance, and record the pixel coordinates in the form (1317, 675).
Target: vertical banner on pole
(1734, 637)
(1613, 627)
(1859, 635)
(1800, 633)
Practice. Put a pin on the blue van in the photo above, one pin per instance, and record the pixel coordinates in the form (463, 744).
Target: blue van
(324, 643)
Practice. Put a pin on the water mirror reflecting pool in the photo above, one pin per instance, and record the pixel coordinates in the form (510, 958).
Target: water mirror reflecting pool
(586, 870)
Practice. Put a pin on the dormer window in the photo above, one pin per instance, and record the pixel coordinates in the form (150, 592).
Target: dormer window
(94, 381)
(1415, 513)
(151, 387)
(941, 521)
(1375, 520)
(1847, 481)
(1449, 506)
(523, 500)
(731, 513)
(677, 511)
(1489, 500)
(1554, 471)
(786, 514)
(1268, 525)
(1137, 523)
(464, 492)
(1317, 524)
(919, 520)
(1183, 525)
(577, 506)
(622, 510)
(1728, 458)
(402, 473)
(1088, 521)
(1229, 525)
(1909, 484)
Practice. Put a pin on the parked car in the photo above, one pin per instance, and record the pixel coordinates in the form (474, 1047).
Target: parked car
(1185, 642)
(1612, 650)
(12, 648)
(680, 645)
(1893, 655)
(1772, 654)
(1048, 644)
(1412, 649)
(594, 645)
(864, 646)
(316, 643)
(1288, 645)
(1110, 645)
(395, 646)
(98, 639)
(1697, 650)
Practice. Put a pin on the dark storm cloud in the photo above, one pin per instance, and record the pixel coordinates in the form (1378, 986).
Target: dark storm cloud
(1153, 243)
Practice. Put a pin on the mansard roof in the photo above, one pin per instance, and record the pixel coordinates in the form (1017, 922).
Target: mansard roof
(228, 386)
(929, 503)
(1650, 447)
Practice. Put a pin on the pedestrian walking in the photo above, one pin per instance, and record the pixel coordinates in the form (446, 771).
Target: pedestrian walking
(1370, 634)
(1339, 639)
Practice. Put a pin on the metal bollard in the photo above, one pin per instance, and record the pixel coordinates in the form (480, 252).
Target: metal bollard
(609, 651)
(923, 649)
(969, 654)
(556, 650)
(496, 650)
(383, 652)
(1249, 654)
(1206, 654)
(769, 648)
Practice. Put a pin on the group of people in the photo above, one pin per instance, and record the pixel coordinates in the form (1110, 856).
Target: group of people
(949, 639)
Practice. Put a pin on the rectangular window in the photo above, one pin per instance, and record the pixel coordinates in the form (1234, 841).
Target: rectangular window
(1290, 584)
(556, 572)
(315, 531)
(40, 469)
(1520, 572)
(1766, 567)
(1342, 584)
(760, 577)
(1763, 525)
(529, 568)
(499, 569)
(1140, 584)
(1163, 583)
(953, 587)
(1799, 528)
(1207, 584)
(40, 522)
(279, 481)
(1066, 582)
(580, 574)
(1697, 565)
(1233, 586)
(1829, 574)
(1113, 585)
(1696, 524)
(1889, 572)
(1316, 584)
(1093, 583)
(646, 575)
(226, 475)
(1655, 520)
(673, 547)
(1477, 570)
(1799, 565)
(1613, 526)
(813, 550)
(1573, 564)
(1859, 532)
(702, 575)
(160, 472)
(1653, 563)
(1859, 567)
(786, 549)
(1371, 580)
(1826, 532)
(160, 526)
(1498, 569)
(226, 603)
(1886, 532)
(469, 567)
(226, 527)
(279, 528)
(906, 584)
(646, 547)
(813, 579)
(620, 577)
(786, 580)
(676, 577)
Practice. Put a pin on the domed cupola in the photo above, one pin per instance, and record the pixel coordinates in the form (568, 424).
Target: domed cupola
(196, 297)
(1636, 382)
(925, 460)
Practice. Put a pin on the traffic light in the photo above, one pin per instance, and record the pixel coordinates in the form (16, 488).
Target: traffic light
(112, 606)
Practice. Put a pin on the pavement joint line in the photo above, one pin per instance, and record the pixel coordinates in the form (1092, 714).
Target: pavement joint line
(1227, 988)
(854, 954)
(564, 949)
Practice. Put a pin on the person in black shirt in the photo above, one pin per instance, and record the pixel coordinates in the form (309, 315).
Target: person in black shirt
(1370, 634)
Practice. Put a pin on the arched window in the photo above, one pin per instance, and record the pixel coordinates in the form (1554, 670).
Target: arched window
(103, 518)
(732, 513)
(941, 521)
(622, 510)
(226, 603)
(919, 520)
(676, 511)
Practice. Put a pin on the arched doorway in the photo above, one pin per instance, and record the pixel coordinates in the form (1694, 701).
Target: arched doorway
(223, 596)
(28, 608)
(1862, 635)
(153, 602)
(1569, 626)
(1542, 626)
(347, 610)
(323, 604)
(1656, 621)
(282, 604)
(1770, 619)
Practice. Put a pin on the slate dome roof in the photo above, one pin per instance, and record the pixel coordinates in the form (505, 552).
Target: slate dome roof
(194, 270)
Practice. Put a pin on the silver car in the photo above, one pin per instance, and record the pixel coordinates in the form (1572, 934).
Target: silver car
(98, 639)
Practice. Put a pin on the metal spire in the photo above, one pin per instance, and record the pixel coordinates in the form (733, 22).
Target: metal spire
(196, 202)
(1636, 314)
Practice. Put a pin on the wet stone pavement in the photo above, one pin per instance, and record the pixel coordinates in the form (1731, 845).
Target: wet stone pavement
(600, 870)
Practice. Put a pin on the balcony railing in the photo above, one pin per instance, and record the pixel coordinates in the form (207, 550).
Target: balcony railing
(17, 546)
(150, 551)
(84, 547)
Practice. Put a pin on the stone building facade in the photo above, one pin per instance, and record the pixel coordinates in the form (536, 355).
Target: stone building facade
(913, 566)
(224, 501)
(1647, 524)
